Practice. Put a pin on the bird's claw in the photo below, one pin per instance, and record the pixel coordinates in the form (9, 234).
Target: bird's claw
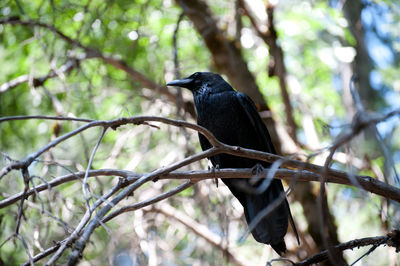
(256, 171)
(213, 171)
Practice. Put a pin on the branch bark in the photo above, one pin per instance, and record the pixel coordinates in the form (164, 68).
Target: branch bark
(392, 239)
(367, 183)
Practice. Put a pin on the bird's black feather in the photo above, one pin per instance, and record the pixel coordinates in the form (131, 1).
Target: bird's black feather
(233, 119)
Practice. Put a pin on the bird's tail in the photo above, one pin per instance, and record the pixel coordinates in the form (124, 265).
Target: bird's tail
(267, 215)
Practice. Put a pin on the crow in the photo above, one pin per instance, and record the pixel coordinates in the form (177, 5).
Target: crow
(233, 119)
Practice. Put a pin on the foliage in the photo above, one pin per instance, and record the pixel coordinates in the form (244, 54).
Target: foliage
(318, 47)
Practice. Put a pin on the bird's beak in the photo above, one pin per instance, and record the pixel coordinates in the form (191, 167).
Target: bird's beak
(180, 82)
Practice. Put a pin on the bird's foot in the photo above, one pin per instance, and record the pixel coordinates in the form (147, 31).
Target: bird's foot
(256, 171)
(213, 171)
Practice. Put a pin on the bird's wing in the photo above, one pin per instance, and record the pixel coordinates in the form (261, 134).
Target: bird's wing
(263, 135)
(252, 114)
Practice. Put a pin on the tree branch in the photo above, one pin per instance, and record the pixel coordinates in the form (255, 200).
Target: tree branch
(392, 239)
(95, 222)
(38, 81)
(112, 124)
(26, 117)
(368, 183)
(155, 199)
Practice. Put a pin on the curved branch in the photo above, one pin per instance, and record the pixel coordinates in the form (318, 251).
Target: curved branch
(38, 81)
(366, 182)
(369, 184)
(392, 239)
(112, 124)
(145, 203)
(43, 254)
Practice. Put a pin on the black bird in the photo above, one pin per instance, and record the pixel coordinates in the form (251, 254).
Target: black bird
(233, 119)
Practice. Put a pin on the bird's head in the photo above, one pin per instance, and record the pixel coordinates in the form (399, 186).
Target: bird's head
(200, 81)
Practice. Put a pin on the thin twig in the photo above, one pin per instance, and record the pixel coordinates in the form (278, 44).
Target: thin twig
(44, 117)
(85, 187)
(175, 44)
(26, 248)
(366, 253)
(43, 254)
(30, 259)
(38, 81)
(83, 222)
(155, 199)
(67, 178)
(85, 235)
(378, 240)
(26, 177)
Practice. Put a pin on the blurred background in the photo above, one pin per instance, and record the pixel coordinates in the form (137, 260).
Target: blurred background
(110, 59)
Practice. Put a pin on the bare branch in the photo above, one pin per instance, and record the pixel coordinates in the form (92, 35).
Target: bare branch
(85, 187)
(175, 44)
(155, 199)
(112, 124)
(26, 117)
(38, 81)
(17, 21)
(130, 176)
(43, 254)
(95, 222)
(392, 239)
(368, 183)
